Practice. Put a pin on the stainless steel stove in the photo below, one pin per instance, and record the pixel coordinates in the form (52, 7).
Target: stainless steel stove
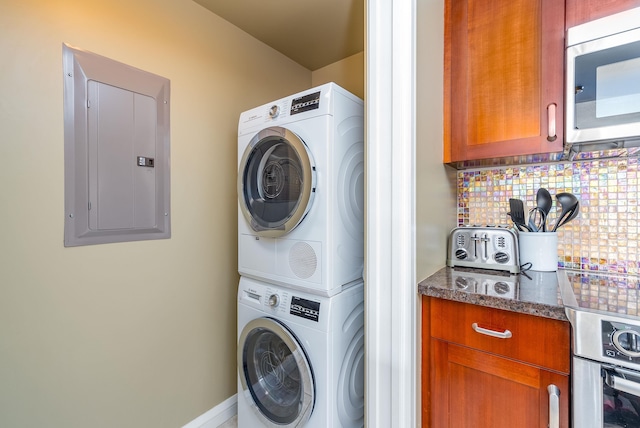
(604, 312)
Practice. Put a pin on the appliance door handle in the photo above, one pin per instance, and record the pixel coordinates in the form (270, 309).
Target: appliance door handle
(499, 334)
(551, 122)
(624, 385)
(554, 406)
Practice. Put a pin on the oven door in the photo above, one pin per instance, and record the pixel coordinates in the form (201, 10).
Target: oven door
(605, 395)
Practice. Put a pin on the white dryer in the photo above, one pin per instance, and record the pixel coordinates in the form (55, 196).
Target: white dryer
(301, 190)
(300, 357)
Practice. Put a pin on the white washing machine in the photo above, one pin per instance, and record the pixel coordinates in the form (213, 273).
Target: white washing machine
(301, 190)
(300, 357)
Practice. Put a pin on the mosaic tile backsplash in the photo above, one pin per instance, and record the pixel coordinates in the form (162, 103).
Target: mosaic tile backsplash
(619, 294)
(603, 238)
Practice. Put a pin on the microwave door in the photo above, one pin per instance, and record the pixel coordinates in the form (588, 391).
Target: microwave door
(607, 88)
(603, 89)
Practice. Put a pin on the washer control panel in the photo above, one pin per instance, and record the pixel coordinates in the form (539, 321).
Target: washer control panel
(305, 308)
(280, 302)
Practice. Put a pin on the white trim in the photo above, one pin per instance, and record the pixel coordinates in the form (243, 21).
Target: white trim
(216, 416)
(391, 300)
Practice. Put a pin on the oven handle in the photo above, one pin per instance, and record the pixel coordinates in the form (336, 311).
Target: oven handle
(622, 384)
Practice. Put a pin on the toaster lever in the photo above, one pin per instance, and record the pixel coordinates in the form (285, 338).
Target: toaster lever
(475, 239)
(485, 239)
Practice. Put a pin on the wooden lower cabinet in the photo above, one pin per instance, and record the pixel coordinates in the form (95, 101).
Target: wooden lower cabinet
(473, 388)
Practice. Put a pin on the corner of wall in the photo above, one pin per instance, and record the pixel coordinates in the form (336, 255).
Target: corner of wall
(348, 73)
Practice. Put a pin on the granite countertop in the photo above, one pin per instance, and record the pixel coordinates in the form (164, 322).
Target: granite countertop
(545, 294)
(542, 294)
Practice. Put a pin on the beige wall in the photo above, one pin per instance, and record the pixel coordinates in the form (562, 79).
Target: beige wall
(348, 73)
(133, 334)
(435, 182)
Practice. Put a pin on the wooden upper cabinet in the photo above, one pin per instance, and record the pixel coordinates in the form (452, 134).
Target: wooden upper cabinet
(504, 74)
(581, 11)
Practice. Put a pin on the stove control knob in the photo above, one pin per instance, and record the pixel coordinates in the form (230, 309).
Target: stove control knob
(627, 342)
(274, 300)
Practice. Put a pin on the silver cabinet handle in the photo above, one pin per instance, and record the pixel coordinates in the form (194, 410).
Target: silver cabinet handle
(499, 334)
(551, 121)
(554, 406)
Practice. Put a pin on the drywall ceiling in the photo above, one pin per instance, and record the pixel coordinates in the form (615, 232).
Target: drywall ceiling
(312, 33)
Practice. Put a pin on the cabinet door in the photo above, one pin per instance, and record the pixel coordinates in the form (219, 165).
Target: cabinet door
(581, 11)
(477, 389)
(504, 73)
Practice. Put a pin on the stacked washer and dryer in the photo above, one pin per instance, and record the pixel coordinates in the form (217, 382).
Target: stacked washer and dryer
(301, 257)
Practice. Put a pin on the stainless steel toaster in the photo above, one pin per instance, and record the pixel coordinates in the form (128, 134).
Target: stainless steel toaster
(485, 247)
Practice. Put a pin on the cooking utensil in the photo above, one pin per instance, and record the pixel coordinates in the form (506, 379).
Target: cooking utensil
(570, 209)
(516, 207)
(544, 202)
(538, 215)
(537, 220)
(571, 215)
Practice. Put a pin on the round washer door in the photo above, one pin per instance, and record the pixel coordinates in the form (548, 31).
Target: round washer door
(275, 374)
(276, 182)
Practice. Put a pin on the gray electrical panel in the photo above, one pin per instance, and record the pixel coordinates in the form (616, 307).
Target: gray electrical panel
(116, 125)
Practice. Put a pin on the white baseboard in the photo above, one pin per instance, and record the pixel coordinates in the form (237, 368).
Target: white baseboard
(216, 416)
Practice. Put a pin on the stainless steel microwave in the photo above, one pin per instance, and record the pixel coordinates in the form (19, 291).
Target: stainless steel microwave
(603, 83)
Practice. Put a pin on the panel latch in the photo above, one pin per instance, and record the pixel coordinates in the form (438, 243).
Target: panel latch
(144, 161)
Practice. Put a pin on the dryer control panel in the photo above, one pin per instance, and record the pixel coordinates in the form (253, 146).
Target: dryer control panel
(305, 103)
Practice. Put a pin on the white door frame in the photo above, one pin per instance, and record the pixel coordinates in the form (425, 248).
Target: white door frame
(391, 299)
